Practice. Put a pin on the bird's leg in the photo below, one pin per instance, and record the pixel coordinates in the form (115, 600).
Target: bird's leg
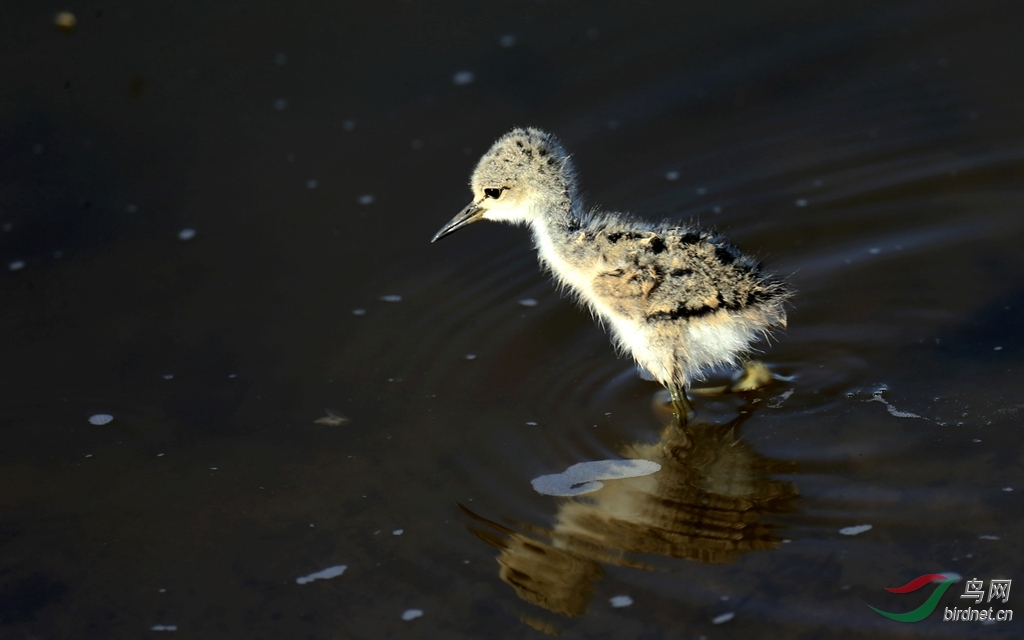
(680, 404)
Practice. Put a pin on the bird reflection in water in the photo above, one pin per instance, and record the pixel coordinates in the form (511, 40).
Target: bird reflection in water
(707, 503)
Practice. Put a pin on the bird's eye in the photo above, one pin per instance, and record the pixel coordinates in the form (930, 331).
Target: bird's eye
(493, 193)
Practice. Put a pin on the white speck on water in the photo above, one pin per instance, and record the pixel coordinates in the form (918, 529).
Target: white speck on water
(359, 312)
(168, 376)
(100, 419)
(801, 202)
(232, 375)
(16, 265)
(326, 574)
(508, 41)
(620, 601)
(462, 78)
(391, 298)
(213, 468)
(348, 125)
(366, 199)
(1007, 488)
(311, 525)
(700, 191)
(672, 176)
(162, 590)
(997, 348)
(398, 532)
(988, 537)
(725, 617)
(532, 424)
(852, 531)
(88, 455)
(585, 477)
(164, 627)
(280, 59)
(977, 440)
(312, 184)
(186, 234)
(412, 614)
(131, 208)
(528, 302)
(470, 356)
(875, 251)
(159, 455)
(280, 104)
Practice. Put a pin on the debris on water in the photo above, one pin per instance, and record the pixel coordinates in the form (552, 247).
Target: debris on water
(101, 419)
(332, 419)
(326, 574)
(725, 617)
(398, 532)
(412, 614)
(65, 22)
(620, 601)
(585, 477)
(877, 397)
(852, 531)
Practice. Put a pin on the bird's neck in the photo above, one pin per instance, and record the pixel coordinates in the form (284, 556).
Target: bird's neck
(554, 233)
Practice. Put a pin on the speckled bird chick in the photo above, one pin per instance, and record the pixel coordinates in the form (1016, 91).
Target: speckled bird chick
(679, 299)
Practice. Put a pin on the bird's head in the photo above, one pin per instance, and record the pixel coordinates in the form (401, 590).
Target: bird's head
(523, 175)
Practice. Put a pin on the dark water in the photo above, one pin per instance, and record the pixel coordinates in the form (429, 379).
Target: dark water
(873, 152)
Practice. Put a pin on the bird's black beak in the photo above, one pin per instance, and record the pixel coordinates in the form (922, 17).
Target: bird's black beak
(472, 213)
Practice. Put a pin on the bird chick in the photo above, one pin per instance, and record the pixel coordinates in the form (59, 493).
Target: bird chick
(680, 300)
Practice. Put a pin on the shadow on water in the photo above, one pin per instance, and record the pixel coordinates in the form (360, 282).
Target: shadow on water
(710, 501)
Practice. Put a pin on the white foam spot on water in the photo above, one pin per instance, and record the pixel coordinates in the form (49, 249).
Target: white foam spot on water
(528, 302)
(164, 627)
(391, 298)
(398, 532)
(508, 40)
(16, 265)
(852, 531)
(620, 601)
(101, 419)
(470, 356)
(875, 251)
(988, 537)
(725, 617)
(366, 199)
(997, 348)
(326, 574)
(186, 234)
(532, 424)
(1007, 488)
(168, 376)
(893, 411)
(462, 78)
(359, 312)
(672, 176)
(412, 614)
(585, 477)
(280, 104)
(800, 202)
